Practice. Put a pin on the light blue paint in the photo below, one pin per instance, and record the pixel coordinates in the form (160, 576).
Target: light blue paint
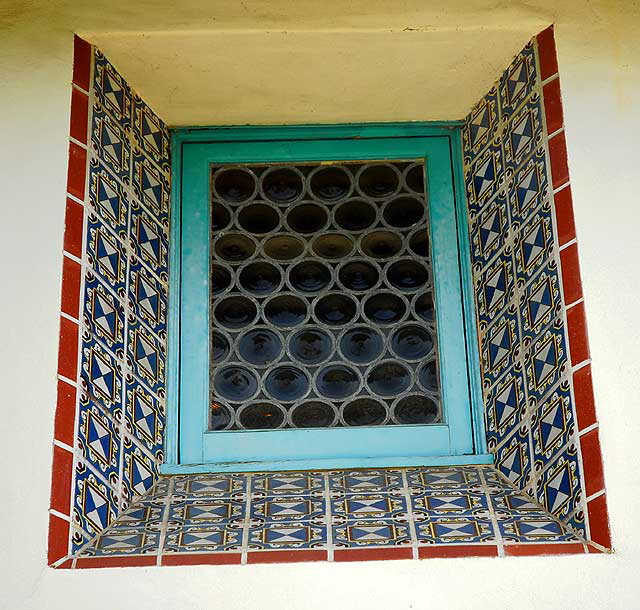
(227, 450)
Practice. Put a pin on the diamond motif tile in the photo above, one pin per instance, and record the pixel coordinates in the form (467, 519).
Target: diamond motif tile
(147, 296)
(209, 538)
(558, 488)
(287, 508)
(151, 186)
(94, 502)
(146, 356)
(552, 424)
(534, 529)
(110, 144)
(484, 176)
(289, 535)
(524, 133)
(145, 415)
(518, 81)
(195, 512)
(447, 530)
(140, 470)
(150, 241)
(151, 133)
(506, 406)
(103, 315)
(287, 483)
(481, 123)
(449, 503)
(500, 345)
(369, 506)
(453, 477)
(513, 458)
(366, 481)
(101, 378)
(540, 301)
(534, 243)
(108, 198)
(111, 90)
(546, 360)
(489, 230)
(209, 486)
(495, 287)
(530, 187)
(371, 532)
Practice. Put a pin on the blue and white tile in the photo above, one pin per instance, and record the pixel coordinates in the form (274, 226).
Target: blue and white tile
(558, 488)
(103, 315)
(106, 255)
(149, 240)
(489, 231)
(371, 532)
(147, 297)
(140, 470)
(101, 377)
(533, 243)
(451, 502)
(225, 537)
(370, 506)
(534, 529)
(540, 300)
(146, 356)
(110, 144)
(452, 530)
(484, 176)
(524, 133)
(494, 287)
(197, 512)
(95, 502)
(365, 481)
(99, 441)
(112, 91)
(444, 477)
(287, 484)
(546, 360)
(287, 535)
(108, 198)
(506, 404)
(481, 124)
(114, 542)
(518, 81)
(287, 508)
(150, 133)
(209, 486)
(530, 187)
(145, 415)
(151, 186)
(513, 459)
(500, 345)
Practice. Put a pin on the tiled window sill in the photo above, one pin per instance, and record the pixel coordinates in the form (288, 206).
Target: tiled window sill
(465, 511)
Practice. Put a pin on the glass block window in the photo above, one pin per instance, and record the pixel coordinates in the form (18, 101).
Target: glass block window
(322, 304)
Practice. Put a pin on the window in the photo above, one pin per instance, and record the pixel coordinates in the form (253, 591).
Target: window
(320, 301)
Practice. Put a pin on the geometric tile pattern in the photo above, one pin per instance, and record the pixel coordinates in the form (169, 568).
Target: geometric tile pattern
(196, 517)
(527, 377)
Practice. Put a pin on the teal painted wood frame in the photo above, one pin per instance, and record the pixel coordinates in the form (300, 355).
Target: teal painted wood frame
(193, 152)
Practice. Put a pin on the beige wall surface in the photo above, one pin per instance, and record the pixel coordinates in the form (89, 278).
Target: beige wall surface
(598, 52)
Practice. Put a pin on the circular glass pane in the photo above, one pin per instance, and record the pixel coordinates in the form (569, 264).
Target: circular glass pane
(419, 242)
(220, 347)
(428, 376)
(330, 183)
(258, 218)
(411, 342)
(407, 275)
(219, 416)
(307, 218)
(313, 414)
(261, 416)
(282, 185)
(259, 278)
(381, 244)
(335, 309)
(389, 378)
(260, 346)
(337, 381)
(234, 247)
(235, 312)
(235, 185)
(285, 310)
(358, 276)
(332, 246)
(403, 212)
(384, 308)
(309, 276)
(423, 306)
(414, 178)
(355, 215)
(286, 383)
(235, 383)
(220, 217)
(283, 247)
(364, 412)
(415, 409)
(361, 345)
(220, 279)
(378, 181)
(311, 345)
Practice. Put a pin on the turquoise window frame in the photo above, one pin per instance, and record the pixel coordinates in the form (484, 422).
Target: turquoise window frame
(193, 152)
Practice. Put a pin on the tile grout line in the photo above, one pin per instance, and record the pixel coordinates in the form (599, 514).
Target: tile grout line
(412, 525)
(328, 516)
(492, 515)
(165, 520)
(565, 245)
(246, 525)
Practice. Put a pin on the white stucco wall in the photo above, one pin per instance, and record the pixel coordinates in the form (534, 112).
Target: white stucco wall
(601, 86)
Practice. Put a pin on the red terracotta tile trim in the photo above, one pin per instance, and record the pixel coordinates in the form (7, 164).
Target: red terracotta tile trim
(547, 53)
(68, 351)
(583, 393)
(73, 226)
(58, 539)
(77, 170)
(553, 106)
(577, 331)
(123, 561)
(592, 462)
(194, 559)
(571, 282)
(592, 548)
(372, 554)
(559, 163)
(462, 550)
(81, 62)
(61, 472)
(599, 521)
(289, 556)
(70, 299)
(64, 421)
(79, 115)
(522, 550)
(65, 565)
(564, 216)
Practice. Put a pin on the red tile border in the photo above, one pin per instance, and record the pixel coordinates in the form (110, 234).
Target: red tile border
(571, 281)
(79, 115)
(564, 216)
(73, 226)
(58, 539)
(291, 556)
(372, 554)
(194, 559)
(592, 462)
(522, 550)
(64, 421)
(577, 331)
(591, 548)
(559, 163)
(583, 393)
(68, 354)
(123, 561)
(547, 53)
(61, 475)
(77, 170)
(553, 106)
(65, 565)
(81, 62)
(70, 299)
(599, 521)
(462, 550)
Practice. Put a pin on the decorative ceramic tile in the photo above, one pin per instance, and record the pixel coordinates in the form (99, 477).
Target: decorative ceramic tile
(150, 133)
(140, 471)
(95, 502)
(481, 123)
(101, 377)
(369, 506)
(530, 187)
(513, 457)
(111, 90)
(447, 530)
(495, 287)
(533, 243)
(145, 415)
(208, 538)
(106, 255)
(366, 481)
(147, 297)
(450, 477)
(371, 532)
(201, 513)
(540, 301)
(149, 240)
(110, 144)
(449, 503)
(287, 483)
(518, 81)
(506, 406)
(489, 231)
(558, 488)
(287, 508)
(546, 360)
(151, 187)
(136, 542)
(484, 176)
(103, 315)
(534, 529)
(99, 441)
(108, 198)
(209, 486)
(288, 535)
(146, 356)
(500, 345)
